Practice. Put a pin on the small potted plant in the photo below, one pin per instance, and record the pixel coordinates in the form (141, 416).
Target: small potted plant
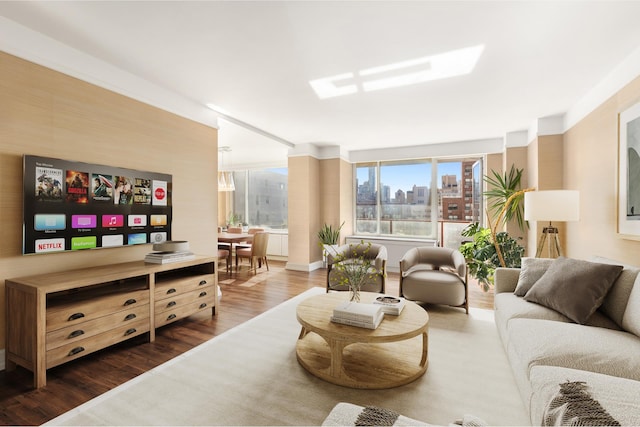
(329, 240)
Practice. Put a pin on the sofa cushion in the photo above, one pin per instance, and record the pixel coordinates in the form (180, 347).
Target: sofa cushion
(631, 317)
(545, 342)
(618, 396)
(434, 286)
(531, 270)
(510, 306)
(575, 288)
(615, 302)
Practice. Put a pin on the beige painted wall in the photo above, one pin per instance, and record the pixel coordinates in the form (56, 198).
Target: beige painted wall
(224, 207)
(49, 114)
(347, 198)
(304, 212)
(590, 166)
(545, 172)
(336, 195)
(330, 178)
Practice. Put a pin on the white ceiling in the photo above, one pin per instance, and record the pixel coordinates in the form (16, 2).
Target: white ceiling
(255, 59)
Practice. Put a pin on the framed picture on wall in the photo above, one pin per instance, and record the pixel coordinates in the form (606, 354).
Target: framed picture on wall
(629, 173)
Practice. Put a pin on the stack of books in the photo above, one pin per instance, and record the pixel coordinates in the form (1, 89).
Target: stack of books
(390, 305)
(358, 314)
(168, 257)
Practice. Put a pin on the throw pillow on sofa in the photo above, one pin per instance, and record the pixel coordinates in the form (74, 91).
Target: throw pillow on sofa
(531, 270)
(575, 288)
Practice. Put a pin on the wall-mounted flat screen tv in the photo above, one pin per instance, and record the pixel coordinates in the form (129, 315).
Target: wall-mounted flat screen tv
(71, 205)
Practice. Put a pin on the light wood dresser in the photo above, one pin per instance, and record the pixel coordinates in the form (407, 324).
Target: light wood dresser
(58, 317)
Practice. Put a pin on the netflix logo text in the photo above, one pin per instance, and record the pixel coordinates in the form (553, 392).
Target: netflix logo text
(49, 245)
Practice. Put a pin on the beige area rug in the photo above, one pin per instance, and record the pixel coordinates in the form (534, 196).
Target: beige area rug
(249, 375)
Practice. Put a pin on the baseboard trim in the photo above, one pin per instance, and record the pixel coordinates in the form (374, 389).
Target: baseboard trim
(304, 267)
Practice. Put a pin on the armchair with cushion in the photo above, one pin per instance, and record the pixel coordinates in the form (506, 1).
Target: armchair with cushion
(352, 253)
(435, 275)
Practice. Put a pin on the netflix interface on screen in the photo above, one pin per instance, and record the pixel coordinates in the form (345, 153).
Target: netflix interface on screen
(71, 205)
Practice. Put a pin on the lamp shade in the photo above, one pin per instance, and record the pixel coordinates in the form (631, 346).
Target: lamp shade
(554, 205)
(225, 181)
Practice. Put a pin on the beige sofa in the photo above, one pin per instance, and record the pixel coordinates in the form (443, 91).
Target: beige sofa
(546, 348)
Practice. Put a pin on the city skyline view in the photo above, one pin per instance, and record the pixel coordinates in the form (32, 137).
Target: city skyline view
(405, 176)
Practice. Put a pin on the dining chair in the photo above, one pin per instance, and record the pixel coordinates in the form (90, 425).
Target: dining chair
(257, 253)
(224, 254)
(247, 243)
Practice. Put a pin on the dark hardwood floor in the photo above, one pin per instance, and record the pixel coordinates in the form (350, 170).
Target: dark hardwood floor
(76, 382)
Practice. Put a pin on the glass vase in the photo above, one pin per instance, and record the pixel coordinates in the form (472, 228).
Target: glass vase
(354, 294)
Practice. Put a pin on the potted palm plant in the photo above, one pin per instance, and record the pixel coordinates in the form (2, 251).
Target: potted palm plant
(489, 247)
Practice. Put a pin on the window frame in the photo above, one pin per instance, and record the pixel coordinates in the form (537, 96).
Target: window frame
(434, 199)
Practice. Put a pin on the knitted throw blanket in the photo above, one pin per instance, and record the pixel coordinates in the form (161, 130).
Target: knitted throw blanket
(574, 406)
(372, 416)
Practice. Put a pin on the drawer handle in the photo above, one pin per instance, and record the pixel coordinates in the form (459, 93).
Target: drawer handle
(202, 282)
(130, 316)
(130, 331)
(130, 301)
(76, 351)
(171, 303)
(171, 316)
(171, 291)
(203, 305)
(76, 316)
(76, 333)
(203, 294)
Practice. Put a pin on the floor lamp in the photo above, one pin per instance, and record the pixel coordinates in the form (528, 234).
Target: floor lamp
(554, 205)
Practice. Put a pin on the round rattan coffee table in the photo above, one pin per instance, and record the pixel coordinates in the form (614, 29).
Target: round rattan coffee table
(392, 355)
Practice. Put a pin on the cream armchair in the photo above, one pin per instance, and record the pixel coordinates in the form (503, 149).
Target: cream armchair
(435, 275)
(350, 252)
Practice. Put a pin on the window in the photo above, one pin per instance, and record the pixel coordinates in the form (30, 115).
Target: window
(410, 198)
(267, 189)
(408, 212)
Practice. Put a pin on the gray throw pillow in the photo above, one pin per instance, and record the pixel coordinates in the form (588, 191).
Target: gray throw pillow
(531, 270)
(572, 287)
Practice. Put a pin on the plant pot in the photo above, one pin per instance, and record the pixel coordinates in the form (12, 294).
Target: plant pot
(328, 249)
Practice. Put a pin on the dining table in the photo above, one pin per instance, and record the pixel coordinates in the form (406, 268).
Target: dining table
(233, 238)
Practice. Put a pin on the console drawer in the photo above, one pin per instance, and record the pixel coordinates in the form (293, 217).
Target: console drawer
(89, 328)
(185, 310)
(73, 313)
(177, 301)
(85, 346)
(181, 285)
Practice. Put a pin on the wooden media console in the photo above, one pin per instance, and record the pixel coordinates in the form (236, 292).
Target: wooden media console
(58, 317)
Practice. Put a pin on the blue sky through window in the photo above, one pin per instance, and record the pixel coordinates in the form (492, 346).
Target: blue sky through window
(404, 176)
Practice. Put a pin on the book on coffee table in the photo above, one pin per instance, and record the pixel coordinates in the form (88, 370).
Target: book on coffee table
(358, 314)
(360, 323)
(390, 304)
(357, 311)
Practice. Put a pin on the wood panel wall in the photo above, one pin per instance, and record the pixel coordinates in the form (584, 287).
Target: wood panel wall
(46, 113)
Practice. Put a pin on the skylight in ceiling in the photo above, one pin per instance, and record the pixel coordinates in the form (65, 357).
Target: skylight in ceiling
(419, 70)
